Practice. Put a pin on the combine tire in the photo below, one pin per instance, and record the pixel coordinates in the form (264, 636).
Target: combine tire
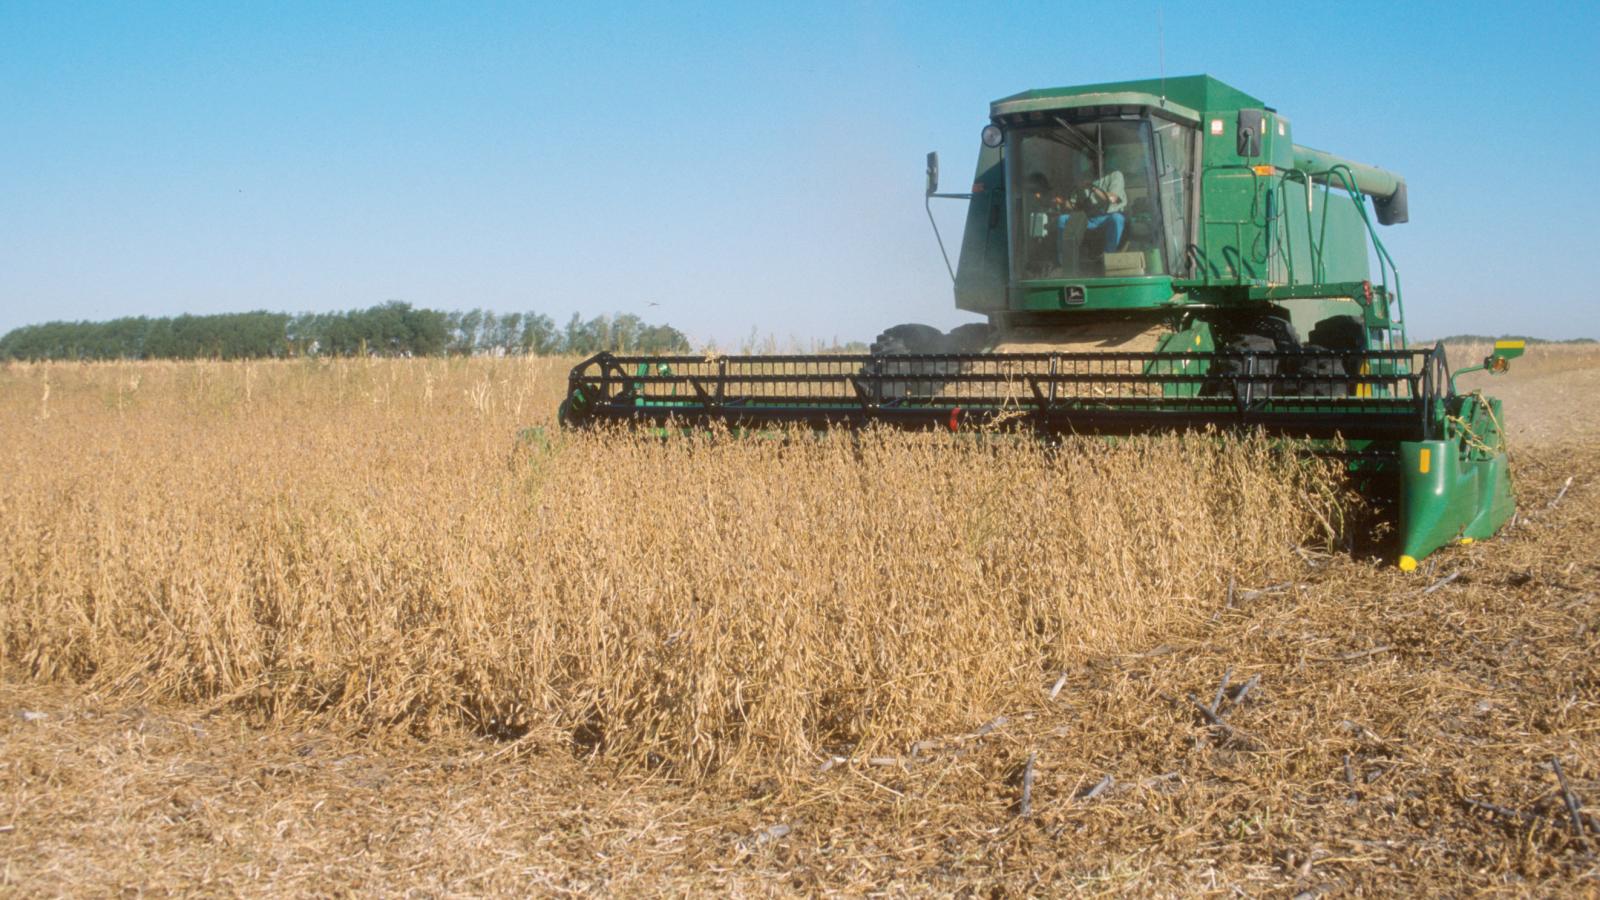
(1263, 334)
(1346, 336)
(909, 338)
(973, 337)
(913, 338)
(922, 377)
(1323, 374)
(1227, 369)
(1341, 334)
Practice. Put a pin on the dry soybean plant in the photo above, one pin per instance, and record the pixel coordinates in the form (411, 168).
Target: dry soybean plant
(372, 543)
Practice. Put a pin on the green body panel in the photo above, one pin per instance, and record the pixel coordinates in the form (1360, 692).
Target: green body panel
(1336, 224)
(1195, 338)
(1455, 488)
(1261, 227)
(1098, 293)
(981, 274)
(1259, 230)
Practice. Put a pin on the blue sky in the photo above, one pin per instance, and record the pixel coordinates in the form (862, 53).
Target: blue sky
(745, 167)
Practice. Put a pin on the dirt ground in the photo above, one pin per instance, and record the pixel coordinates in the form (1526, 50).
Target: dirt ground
(1380, 734)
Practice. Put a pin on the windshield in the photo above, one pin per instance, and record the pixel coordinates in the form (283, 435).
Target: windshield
(1092, 197)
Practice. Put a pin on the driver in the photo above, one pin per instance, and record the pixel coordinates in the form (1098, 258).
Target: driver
(1096, 206)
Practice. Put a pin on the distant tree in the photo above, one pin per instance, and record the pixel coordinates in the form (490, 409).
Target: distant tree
(430, 331)
(488, 327)
(508, 332)
(539, 334)
(663, 339)
(466, 337)
(599, 331)
(625, 332)
(576, 338)
(395, 328)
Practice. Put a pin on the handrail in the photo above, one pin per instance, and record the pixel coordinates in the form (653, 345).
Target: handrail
(1386, 263)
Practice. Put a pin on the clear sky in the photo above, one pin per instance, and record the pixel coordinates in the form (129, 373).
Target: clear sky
(745, 167)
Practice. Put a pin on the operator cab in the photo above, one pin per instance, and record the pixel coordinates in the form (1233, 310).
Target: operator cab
(1099, 196)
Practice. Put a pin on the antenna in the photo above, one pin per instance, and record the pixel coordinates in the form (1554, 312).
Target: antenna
(1161, 51)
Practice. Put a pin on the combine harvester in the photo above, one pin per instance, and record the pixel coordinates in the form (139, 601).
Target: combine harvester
(1149, 255)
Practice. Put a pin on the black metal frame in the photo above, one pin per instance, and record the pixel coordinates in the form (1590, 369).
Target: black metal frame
(1306, 394)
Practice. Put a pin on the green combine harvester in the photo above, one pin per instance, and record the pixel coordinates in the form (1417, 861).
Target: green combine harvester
(1148, 255)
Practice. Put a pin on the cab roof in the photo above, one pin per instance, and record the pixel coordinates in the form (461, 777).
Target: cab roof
(1199, 93)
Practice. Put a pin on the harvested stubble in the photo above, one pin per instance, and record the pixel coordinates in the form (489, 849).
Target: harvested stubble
(366, 542)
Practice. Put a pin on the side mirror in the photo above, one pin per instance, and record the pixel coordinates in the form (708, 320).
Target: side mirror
(1251, 124)
(933, 173)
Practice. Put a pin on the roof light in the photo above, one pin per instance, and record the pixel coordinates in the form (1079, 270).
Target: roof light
(992, 136)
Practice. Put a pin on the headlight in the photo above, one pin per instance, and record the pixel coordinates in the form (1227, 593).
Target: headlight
(993, 136)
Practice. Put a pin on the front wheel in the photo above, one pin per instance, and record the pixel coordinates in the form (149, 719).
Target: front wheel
(920, 378)
(909, 338)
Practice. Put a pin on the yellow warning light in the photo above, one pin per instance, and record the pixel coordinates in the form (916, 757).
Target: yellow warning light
(1408, 564)
(1424, 460)
(1263, 170)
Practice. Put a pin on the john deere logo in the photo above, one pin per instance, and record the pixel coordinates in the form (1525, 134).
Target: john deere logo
(1073, 295)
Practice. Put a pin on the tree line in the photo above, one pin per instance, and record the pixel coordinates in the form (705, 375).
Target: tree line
(1491, 338)
(389, 329)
